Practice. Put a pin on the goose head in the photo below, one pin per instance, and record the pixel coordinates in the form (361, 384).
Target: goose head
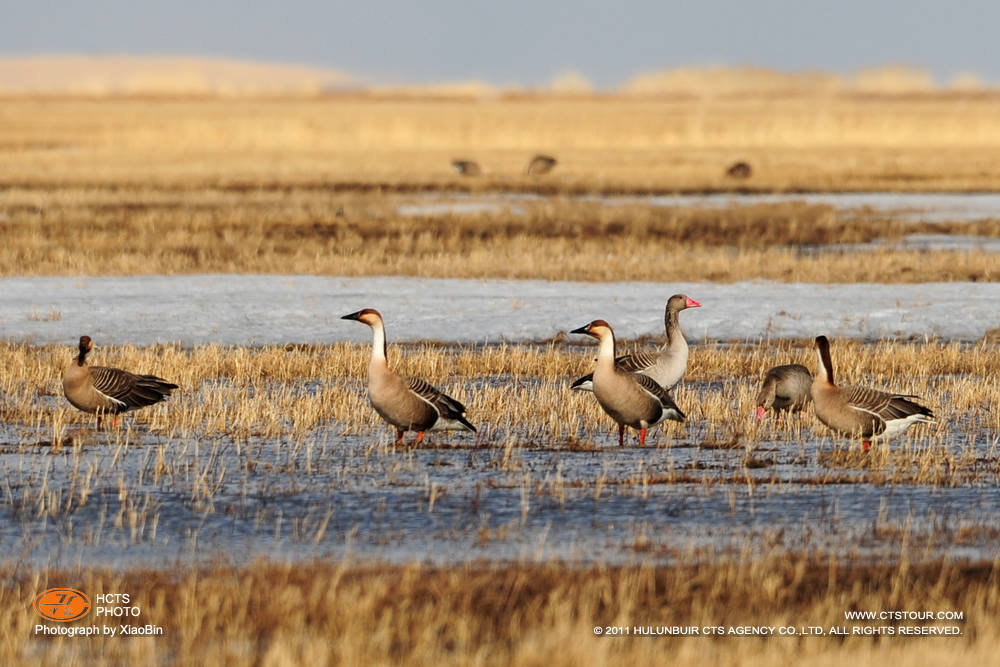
(598, 329)
(368, 316)
(86, 345)
(679, 302)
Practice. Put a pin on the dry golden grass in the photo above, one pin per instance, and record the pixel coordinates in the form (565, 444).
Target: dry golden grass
(938, 141)
(275, 614)
(518, 395)
(131, 185)
(142, 230)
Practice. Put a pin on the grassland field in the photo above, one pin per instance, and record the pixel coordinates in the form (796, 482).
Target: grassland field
(125, 186)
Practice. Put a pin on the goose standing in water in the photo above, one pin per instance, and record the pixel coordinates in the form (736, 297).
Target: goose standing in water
(109, 391)
(631, 399)
(666, 367)
(785, 388)
(859, 411)
(408, 404)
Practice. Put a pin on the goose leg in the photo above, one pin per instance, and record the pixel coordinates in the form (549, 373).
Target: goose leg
(866, 445)
(420, 436)
(399, 436)
(642, 437)
(621, 435)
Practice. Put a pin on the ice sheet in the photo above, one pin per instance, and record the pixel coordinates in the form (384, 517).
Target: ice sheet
(259, 309)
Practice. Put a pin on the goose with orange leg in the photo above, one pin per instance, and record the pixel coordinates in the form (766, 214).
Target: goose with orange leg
(408, 404)
(861, 412)
(631, 399)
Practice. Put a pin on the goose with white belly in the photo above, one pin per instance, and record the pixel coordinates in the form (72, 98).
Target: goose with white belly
(860, 412)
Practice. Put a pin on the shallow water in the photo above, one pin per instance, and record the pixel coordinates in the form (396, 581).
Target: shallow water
(154, 501)
(907, 206)
(918, 242)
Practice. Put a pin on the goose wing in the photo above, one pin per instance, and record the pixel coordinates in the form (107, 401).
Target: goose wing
(637, 362)
(885, 405)
(650, 386)
(446, 406)
(128, 390)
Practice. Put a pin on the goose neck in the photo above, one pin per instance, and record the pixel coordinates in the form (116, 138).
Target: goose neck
(378, 342)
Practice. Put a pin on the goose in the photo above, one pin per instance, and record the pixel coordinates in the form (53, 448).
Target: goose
(740, 170)
(668, 365)
(466, 167)
(859, 411)
(109, 391)
(408, 404)
(631, 399)
(540, 164)
(784, 388)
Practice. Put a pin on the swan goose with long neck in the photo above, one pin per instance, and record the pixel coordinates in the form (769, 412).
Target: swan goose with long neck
(631, 399)
(408, 404)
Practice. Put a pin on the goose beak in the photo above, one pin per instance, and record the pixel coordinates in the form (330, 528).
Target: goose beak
(691, 303)
(352, 316)
(582, 330)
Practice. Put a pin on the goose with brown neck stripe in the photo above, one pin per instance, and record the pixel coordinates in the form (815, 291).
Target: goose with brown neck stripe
(861, 412)
(631, 399)
(408, 404)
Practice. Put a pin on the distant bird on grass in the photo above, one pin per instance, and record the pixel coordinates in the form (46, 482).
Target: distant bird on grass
(861, 412)
(785, 388)
(109, 391)
(540, 164)
(631, 399)
(408, 404)
(739, 170)
(466, 167)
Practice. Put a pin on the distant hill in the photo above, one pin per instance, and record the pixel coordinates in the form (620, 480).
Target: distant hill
(110, 75)
(190, 75)
(741, 81)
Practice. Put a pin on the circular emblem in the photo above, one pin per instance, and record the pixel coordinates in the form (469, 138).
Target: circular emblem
(62, 604)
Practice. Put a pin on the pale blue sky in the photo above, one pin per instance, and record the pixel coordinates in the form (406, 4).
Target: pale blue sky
(524, 42)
